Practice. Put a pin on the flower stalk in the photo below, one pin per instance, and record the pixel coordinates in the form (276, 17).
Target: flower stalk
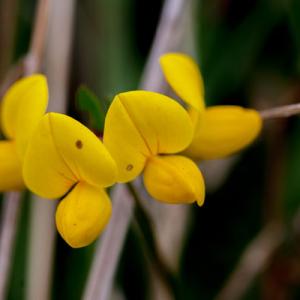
(284, 111)
(150, 242)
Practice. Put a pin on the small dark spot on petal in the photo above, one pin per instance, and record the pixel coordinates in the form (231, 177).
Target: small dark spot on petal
(129, 167)
(79, 144)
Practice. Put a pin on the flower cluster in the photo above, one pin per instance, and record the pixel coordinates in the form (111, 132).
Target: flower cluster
(55, 156)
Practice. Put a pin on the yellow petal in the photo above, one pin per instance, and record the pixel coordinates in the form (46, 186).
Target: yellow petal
(174, 179)
(224, 130)
(23, 106)
(183, 75)
(83, 151)
(10, 168)
(140, 124)
(82, 215)
(62, 151)
(44, 170)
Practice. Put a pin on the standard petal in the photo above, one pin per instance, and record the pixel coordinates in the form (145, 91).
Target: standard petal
(10, 168)
(82, 215)
(44, 170)
(62, 152)
(184, 76)
(22, 108)
(224, 130)
(140, 124)
(174, 179)
(82, 151)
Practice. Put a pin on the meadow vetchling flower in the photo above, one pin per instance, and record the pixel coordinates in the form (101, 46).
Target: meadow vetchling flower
(64, 159)
(22, 107)
(143, 130)
(219, 130)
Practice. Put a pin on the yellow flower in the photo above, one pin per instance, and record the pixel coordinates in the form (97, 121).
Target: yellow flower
(219, 130)
(141, 128)
(65, 159)
(22, 107)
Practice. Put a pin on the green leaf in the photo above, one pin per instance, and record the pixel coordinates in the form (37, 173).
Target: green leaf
(88, 102)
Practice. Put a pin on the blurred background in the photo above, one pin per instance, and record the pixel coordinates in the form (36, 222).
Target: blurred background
(249, 53)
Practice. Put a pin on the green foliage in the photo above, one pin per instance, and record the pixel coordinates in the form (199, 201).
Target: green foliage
(89, 103)
(71, 270)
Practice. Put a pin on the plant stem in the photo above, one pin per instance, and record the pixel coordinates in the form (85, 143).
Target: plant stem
(150, 240)
(9, 222)
(256, 257)
(281, 111)
(15, 72)
(253, 261)
(108, 251)
(33, 59)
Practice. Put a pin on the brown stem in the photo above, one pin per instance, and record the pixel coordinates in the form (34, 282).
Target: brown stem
(15, 72)
(8, 229)
(281, 111)
(34, 57)
(109, 249)
(253, 261)
(256, 257)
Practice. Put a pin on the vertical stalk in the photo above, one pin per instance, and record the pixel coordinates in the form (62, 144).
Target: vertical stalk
(42, 226)
(100, 281)
(8, 229)
(109, 249)
(34, 57)
(12, 199)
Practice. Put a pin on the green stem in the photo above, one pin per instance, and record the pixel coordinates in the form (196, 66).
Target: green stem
(146, 228)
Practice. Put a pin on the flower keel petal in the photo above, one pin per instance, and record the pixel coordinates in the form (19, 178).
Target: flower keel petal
(174, 179)
(44, 170)
(82, 215)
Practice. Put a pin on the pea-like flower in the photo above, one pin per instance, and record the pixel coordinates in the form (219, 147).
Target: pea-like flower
(143, 130)
(64, 159)
(219, 130)
(22, 107)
